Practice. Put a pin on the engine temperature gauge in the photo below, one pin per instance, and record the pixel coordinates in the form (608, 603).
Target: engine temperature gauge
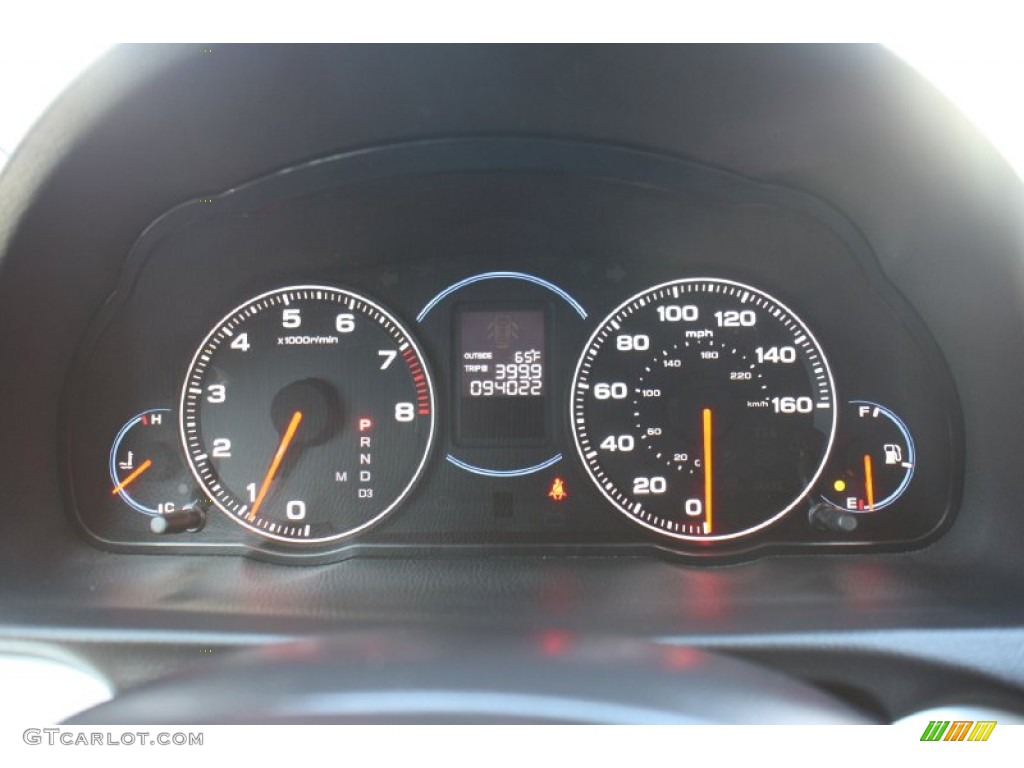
(146, 468)
(873, 462)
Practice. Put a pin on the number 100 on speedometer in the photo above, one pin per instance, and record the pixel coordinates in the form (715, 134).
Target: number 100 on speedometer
(703, 409)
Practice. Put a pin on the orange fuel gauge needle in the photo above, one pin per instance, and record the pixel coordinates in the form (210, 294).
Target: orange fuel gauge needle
(708, 476)
(869, 482)
(286, 440)
(132, 477)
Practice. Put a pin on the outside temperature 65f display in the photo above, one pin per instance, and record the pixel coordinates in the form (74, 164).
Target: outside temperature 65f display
(502, 368)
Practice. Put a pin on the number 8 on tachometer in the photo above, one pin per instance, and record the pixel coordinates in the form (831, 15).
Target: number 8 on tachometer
(703, 409)
(307, 414)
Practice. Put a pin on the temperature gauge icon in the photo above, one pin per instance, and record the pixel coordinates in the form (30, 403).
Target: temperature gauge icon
(873, 462)
(146, 469)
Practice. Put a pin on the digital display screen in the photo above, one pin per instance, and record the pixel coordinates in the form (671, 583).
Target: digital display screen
(501, 359)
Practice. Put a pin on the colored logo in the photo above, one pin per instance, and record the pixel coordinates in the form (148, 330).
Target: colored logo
(958, 730)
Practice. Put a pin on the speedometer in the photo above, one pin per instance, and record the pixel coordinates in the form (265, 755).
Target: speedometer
(703, 409)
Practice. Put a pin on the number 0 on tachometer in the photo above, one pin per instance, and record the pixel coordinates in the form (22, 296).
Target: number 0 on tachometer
(703, 409)
(307, 414)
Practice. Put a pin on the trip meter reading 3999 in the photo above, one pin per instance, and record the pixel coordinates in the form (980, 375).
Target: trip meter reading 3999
(703, 409)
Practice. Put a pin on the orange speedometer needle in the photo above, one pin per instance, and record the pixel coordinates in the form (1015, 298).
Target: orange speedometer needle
(869, 482)
(708, 511)
(289, 433)
(132, 477)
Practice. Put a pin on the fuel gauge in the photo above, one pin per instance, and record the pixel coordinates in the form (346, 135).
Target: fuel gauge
(873, 461)
(146, 467)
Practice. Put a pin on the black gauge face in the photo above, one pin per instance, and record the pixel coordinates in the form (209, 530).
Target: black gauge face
(873, 462)
(307, 414)
(703, 409)
(145, 465)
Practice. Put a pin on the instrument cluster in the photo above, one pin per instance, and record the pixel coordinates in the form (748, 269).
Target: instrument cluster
(521, 345)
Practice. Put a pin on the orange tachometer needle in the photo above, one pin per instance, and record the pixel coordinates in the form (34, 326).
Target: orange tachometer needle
(132, 477)
(707, 471)
(289, 433)
(869, 482)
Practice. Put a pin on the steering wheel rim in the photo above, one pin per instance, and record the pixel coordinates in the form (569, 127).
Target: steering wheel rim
(396, 676)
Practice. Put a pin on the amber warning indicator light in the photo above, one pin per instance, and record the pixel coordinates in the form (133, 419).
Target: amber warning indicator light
(558, 492)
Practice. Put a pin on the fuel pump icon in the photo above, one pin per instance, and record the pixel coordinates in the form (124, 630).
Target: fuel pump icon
(893, 453)
(873, 460)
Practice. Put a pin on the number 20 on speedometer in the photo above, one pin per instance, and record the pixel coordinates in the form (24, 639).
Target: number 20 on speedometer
(703, 409)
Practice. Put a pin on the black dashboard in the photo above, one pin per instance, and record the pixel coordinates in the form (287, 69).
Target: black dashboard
(496, 286)
(710, 345)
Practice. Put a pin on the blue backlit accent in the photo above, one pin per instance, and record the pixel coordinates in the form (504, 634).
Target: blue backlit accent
(113, 462)
(503, 472)
(501, 276)
(911, 458)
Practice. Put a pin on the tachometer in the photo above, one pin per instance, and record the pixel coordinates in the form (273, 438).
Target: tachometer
(307, 414)
(703, 409)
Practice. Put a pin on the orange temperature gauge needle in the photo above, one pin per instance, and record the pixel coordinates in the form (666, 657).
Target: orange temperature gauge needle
(286, 440)
(132, 477)
(869, 482)
(708, 510)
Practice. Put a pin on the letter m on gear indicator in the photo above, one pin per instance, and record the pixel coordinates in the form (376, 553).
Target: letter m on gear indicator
(958, 730)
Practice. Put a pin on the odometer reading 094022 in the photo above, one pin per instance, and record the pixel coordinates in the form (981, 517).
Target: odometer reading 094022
(703, 409)
(307, 414)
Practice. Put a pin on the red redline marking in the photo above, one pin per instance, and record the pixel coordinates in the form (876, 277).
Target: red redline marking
(420, 380)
